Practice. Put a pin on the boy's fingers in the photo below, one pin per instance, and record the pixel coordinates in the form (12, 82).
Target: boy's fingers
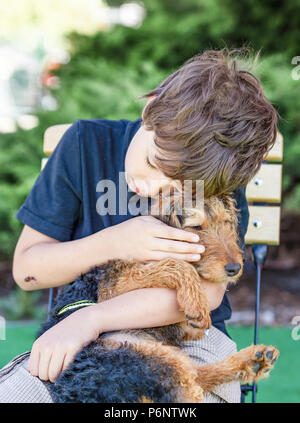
(56, 365)
(178, 246)
(69, 358)
(160, 255)
(166, 231)
(44, 362)
(33, 362)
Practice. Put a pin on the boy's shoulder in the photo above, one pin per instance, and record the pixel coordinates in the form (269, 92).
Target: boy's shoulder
(102, 139)
(95, 135)
(102, 125)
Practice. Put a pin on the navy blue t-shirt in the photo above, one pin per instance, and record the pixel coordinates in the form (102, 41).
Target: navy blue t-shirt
(63, 203)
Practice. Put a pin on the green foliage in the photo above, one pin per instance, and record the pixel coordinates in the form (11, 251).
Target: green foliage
(22, 304)
(173, 31)
(19, 166)
(90, 89)
(109, 70)
(284, 92)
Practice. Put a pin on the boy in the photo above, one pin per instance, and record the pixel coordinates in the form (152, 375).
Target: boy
(208, 120)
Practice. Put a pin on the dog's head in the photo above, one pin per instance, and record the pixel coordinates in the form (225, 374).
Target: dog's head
(216, 223)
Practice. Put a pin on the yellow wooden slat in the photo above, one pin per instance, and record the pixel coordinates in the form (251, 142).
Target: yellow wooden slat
(44, 161)
(276, 153)
(53, 135)
(264, 225)
(266, 185)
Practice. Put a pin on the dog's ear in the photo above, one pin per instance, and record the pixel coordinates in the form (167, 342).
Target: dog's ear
(186, 210)
(166, 208)
(173, 210)
(229, 202)
(193, 216)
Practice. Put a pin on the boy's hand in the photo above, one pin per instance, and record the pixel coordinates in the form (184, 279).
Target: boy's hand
(54, 351)
(146, 238)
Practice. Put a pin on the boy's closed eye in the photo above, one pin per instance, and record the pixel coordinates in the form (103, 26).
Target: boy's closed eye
(147, 161)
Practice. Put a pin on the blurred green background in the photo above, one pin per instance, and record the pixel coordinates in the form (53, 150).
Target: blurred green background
(110, 68)
(92, 59)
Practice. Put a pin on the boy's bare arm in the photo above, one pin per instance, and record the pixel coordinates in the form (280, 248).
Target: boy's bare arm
(146, 308)
(142, 308)
(43, 262)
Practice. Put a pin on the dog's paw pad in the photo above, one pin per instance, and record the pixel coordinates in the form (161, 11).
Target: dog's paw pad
(197, 320)
(256, 367)
(193, 317)
(193, 321)
(264, 359)
(194, 325)
(256, 362)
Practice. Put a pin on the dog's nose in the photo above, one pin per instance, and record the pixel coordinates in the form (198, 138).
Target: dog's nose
(232, 269)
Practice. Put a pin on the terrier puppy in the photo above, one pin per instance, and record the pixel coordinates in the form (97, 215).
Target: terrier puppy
(147, 365)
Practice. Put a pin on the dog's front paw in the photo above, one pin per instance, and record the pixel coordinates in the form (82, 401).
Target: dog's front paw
(257, 362)
(195, 307)
(201, 321)
(195, 326)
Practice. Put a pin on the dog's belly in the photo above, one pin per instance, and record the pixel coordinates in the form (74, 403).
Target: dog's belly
(172, 335)
(121, 337)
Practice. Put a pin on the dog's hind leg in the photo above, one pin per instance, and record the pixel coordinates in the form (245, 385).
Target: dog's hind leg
(248, 365)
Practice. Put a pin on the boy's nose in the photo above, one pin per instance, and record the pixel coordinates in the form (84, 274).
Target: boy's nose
(232, 269)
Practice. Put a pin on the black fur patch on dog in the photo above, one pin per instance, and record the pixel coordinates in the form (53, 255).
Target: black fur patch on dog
(118, 375)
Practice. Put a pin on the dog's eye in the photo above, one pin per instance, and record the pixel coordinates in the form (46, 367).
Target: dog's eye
(199, 227)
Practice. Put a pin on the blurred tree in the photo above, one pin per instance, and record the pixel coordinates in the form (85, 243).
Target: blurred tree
(188, 26)
(109, 70)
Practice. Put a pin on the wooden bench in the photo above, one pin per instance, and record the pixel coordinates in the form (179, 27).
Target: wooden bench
(263, 194)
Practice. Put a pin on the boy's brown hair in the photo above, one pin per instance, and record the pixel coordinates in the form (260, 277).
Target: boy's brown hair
(211, 121)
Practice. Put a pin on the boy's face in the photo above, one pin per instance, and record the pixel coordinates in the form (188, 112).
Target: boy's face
(141, 174)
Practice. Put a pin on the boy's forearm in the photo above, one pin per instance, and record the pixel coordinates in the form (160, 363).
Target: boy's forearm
(55, 264)
(142, 308)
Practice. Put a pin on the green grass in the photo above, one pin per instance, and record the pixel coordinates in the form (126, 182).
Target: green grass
(19, 338)
(283, 386)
